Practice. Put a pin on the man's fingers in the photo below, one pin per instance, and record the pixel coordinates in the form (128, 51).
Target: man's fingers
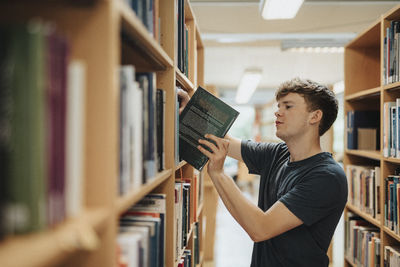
(221, 142)
(209, 144)
(205, 151)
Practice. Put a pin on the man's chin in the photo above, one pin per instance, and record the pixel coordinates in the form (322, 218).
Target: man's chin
(280, 136)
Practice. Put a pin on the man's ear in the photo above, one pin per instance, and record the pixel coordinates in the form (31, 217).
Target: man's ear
(316, 116)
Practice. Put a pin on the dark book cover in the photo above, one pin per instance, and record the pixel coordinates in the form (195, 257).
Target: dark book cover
(361, 119)
(160, 110)
(204, 114)
(148, 83)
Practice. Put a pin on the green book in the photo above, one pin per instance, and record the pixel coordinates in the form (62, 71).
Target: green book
(204, 114)
(25, 187)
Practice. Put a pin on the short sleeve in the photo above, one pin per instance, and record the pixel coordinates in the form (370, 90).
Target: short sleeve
(258, 156)
(317, 196)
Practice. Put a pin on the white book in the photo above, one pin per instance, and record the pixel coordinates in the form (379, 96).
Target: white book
(126, 75)
(137, 136)
(144, 232)
(75, 137)
(397, 128)
(130, 243)
(393, 130)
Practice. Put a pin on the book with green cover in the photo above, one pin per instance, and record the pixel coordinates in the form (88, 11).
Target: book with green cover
(24, 192)
(203, 114)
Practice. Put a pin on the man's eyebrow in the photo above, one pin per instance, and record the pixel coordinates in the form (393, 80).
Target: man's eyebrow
(288, 102)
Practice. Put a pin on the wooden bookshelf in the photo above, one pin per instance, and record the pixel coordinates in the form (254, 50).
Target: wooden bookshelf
(392, 86)
(373, 92)
(364, 215)
(124, 202)
(365, 89)
(105, 35)
(184, 81)
(364, 153)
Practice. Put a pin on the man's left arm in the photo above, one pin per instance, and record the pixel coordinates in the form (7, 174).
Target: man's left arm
(258, 224)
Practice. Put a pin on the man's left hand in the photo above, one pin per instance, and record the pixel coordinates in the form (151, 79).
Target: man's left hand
(218, 154)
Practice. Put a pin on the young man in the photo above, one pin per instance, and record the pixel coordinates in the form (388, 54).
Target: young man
(303, 191)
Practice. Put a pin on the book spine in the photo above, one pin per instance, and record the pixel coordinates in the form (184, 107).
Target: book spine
(75, 148)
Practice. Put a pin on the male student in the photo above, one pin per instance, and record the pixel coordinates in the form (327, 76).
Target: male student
(303, 191)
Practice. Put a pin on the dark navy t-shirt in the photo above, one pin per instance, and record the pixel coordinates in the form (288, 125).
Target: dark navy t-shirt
(313, 189)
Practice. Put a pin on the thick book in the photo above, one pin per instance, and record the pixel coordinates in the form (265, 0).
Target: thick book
(203, 114)
(361, 119)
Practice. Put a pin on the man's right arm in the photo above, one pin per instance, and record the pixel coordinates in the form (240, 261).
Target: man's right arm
(235, 148)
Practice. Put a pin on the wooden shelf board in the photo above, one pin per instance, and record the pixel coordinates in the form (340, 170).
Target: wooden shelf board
(200, 44)
(132, 25)
(184, 81)
(364, 94)
(392, 160)
(53, 245)
(189, 14)
(391, 233)
(364, 215)
(350, 261)
(124, 202)
(180, 165)
(392, 86)
(200, 210)
(372, 154)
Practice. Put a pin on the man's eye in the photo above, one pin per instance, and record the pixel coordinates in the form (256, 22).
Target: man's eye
(288, 107)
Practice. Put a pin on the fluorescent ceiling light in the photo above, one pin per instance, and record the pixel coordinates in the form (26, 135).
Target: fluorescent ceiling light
(248, 84)
(280, 9)
(317, 49)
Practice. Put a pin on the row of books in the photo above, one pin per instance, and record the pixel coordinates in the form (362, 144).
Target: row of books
(186, 259)
(391, 53)
(392, 200)
(142, 119)
(148, 13)
(182, 213)
(391, 256)
(362, 128)
(188, 195)
(391, 130)
(364, 188)
(362, 242)
(142, 233)
(42, 111)
(142, 236)
(183, 39)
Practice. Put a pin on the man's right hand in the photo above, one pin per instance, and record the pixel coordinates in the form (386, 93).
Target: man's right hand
(184, 99)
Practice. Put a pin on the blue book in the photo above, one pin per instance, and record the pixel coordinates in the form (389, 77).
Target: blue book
(361, 119)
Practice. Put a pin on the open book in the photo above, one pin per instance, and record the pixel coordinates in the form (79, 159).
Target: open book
(204, 114)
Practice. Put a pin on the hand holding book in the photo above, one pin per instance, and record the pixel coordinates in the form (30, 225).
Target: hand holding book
(203, 114)
(183, 98)
(219, 150)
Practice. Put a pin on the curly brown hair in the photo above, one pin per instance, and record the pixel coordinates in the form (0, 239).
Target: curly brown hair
(316, 96)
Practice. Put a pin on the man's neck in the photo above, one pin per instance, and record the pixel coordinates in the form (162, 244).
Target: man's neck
(303, 148)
